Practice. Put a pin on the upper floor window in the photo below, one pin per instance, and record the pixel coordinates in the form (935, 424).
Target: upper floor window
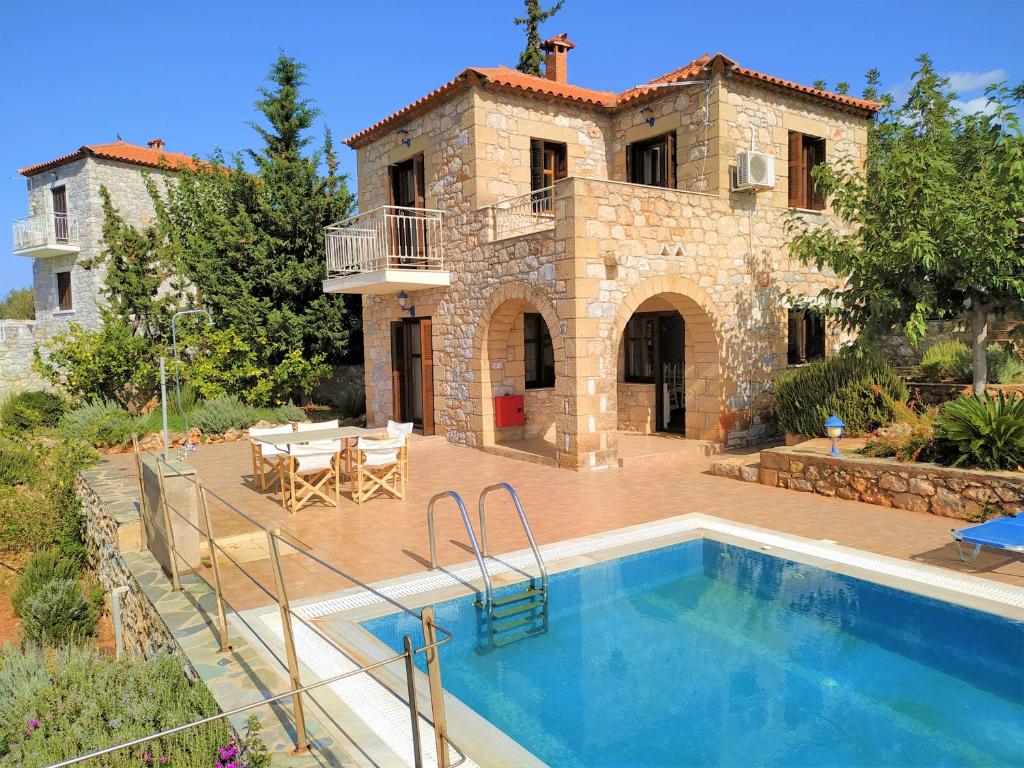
(805, 152)
(65, 301)
(539, 352)
(653, 161)
(806, 340)
(407, 187)
(548, 164)
(59, 197)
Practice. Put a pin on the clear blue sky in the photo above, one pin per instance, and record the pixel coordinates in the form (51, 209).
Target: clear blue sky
(82, 72)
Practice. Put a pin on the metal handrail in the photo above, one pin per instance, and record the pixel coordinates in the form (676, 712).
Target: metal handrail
(387, 237)
(425, 616)
(524, 214)
(488, 591)
(522, 519)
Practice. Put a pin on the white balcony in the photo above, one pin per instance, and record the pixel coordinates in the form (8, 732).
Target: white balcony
(524, 214)
(386, 250)
(46, 234)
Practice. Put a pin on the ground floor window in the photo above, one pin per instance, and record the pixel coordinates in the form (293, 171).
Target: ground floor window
(65, 301)
(539, 352)
(806, 340)
(640, 352)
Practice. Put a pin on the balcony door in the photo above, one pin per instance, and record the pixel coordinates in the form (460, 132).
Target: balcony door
(60, 213)
(406, 182)
(412, 373)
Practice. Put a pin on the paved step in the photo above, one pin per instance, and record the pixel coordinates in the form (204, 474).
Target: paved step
(738, 467)
(666, 451)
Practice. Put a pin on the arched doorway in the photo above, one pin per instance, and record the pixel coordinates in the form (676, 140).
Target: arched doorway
(521, 353)
(670, 376)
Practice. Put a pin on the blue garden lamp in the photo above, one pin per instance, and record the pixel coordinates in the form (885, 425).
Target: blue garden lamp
(834, 429)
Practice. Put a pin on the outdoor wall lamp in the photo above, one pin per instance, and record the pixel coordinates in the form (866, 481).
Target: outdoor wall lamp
(834, 429)
(650, 112)
(404, 305)
(407, 142)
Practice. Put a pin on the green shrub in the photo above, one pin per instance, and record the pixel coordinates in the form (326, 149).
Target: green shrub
(1005, 366)
(18, 463)
(910, 437)
(45, 512)
(58, 704)
(288, 412)
(217, 416)
(859, 390)
(100, 423)
(44, 566)
(944, 360)
(57, 614)
(18, 304)
(31, 409)
(984, 432)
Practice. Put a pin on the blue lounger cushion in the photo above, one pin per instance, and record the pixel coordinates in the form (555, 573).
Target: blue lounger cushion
(1005, 533)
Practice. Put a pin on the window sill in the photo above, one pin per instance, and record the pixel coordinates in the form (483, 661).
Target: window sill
(538, 387)
(58, 312)
(811, 211)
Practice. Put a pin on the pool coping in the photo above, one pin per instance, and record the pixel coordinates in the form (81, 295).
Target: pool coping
(339, 613)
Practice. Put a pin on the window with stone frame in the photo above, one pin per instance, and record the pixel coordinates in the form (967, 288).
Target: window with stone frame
(538, 351)
(639, 343)
(652, 161)
(805, 153)
(548, 164)
(806, 337)
(65, 300)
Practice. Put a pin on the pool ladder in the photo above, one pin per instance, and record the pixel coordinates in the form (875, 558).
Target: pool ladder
(525, 610)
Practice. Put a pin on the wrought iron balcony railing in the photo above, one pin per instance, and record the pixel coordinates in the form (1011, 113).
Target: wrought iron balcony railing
(389, 237)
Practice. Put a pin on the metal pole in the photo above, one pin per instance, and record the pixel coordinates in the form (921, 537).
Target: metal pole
(221, 615)
(163, 404)
(414, 712)
(168, 530)
(143, 538)
(177, 377)
(301, 743)
(436, 691)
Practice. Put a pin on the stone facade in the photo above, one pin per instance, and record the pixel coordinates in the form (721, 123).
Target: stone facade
(82, 179)
(717, 257)
(957, 493)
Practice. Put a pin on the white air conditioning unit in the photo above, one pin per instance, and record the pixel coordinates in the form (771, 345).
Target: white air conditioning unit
(755, 170)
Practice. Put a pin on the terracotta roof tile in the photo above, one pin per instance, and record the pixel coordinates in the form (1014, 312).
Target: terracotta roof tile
(122, 151)
(511, 79)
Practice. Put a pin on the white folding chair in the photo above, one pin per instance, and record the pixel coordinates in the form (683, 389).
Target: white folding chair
(310, 469)
(309, 426)
(396, 429)
(266, 459)
(379, 468)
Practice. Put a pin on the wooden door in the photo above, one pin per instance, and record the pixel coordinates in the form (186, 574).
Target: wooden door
(412, 373)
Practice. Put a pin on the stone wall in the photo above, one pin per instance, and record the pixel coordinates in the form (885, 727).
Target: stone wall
(18, 339)
(899, 351)
(957, 493)
(636, 403)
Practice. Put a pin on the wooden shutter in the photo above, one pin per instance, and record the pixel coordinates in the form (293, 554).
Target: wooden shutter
(796, 170)
(670, 160)
(536, 164)
(794, 338)
(629, 163)
(64, 298)
(419, 182)
(561, 161)
(60, 200)
(397, 370)
(427, 358)
(815, 155)
(391, 184)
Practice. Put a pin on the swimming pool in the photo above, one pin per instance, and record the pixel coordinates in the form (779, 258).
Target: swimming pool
(705, 653)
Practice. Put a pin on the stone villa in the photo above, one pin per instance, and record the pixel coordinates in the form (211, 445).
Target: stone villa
(64, 228)
(544, 266)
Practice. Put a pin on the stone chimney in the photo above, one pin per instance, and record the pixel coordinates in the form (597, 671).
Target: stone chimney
(555, 51)
(155, 143)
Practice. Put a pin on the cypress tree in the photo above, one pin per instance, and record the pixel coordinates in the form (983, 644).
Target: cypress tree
(530, 59)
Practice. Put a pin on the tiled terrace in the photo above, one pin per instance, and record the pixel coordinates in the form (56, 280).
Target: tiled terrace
(387, 538)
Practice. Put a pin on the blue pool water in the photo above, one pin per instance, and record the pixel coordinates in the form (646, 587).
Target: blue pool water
(710, 654)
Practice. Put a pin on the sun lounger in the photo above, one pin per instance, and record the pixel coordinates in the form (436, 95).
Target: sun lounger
(1005, 533)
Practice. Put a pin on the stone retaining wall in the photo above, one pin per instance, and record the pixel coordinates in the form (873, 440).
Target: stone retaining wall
(957, 493)
(18, 340)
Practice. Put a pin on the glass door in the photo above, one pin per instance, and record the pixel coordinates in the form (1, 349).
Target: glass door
(671, 383)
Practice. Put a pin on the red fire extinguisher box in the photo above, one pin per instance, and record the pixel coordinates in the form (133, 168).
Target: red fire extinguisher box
(508, 411)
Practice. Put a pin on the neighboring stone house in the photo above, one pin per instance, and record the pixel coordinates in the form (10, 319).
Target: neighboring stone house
(64, 228)
(593, 253)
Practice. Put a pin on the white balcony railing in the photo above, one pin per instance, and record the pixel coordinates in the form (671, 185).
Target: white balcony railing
(525, 214)
(57, 230)
(385, 238)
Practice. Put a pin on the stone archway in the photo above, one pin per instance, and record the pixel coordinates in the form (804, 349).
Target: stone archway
(706, 385)
(498, 365)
